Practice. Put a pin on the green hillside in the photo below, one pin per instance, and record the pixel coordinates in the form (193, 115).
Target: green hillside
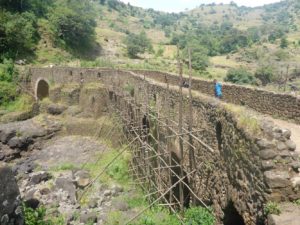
(261, 42)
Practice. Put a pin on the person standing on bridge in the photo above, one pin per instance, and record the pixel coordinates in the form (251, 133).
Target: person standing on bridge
(218, 89)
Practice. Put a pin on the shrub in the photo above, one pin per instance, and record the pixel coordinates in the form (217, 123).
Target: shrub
(38, 217)
(137, 44)
(73, 24)
(284, 43)
(199, 215)
(18, 33)
(239, 76)
(34, 217)
(7, 71)
(264, 74)
(272, 208)
(8, 92)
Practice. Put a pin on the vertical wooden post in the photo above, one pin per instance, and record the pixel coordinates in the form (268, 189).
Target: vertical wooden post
(168, 104)
(181, 194)
(159, 180)
(190, 118)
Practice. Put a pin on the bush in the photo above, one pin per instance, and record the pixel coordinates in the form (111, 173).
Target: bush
(7, 71)
(34, 217)
(8, 92)
(138, 44)
(73, 24)
(272, 208)
(18, 33)
(284, 43)
(199, 215)
(264, 74)
(239, 76)
(38, 217)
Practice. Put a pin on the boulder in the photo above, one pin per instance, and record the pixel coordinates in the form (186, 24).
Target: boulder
(55, 109)
(93, 203)
(38, 177)
(66, 185)
(267, 165)
(290, 215)
(264, 144)
(121, 206)
(25, 166)
(19, 142)
(88, 217)
(82, 178)
(296, 166)
(281, 146)
(6, 134)
(32, 203)
(268, 154)
(10, 200)
(296, 181)
(291, 145)
(277, 179)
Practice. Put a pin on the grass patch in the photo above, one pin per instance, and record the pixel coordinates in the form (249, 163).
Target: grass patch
(297, 202)
(245, 119)
(22, 103)
(98, 63)
(116, 172)
(63, 167)
(272, 208)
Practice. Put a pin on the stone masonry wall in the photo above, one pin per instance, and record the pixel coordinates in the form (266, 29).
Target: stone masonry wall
(276, 104)
(267, 102)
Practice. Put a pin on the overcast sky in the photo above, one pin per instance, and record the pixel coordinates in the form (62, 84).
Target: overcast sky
(181, 5)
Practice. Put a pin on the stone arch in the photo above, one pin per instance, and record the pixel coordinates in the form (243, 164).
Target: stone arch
(41, 89)
(232, 216)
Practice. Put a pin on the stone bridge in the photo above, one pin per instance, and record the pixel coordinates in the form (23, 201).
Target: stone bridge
(242, 161)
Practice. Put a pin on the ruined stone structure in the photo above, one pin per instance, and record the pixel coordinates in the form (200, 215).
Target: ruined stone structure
(248, 163)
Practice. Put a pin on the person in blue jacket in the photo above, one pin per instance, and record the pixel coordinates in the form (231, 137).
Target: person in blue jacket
(218, 89)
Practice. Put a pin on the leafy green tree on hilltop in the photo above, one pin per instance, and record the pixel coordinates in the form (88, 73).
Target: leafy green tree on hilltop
(284, 43)
(137, 44)
(18, 33)
(73, 24)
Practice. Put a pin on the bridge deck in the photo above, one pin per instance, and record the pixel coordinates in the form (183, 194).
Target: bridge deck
(293, 127)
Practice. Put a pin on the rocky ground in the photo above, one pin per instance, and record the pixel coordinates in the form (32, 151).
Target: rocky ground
(54, 170)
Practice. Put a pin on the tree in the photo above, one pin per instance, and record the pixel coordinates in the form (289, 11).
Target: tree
(18, 33)
(265, 74)
(73, 24)
(239, 76)
(284, 43)
(137, 44)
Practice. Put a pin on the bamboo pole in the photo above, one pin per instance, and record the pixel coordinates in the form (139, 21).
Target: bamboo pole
(190, 121)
